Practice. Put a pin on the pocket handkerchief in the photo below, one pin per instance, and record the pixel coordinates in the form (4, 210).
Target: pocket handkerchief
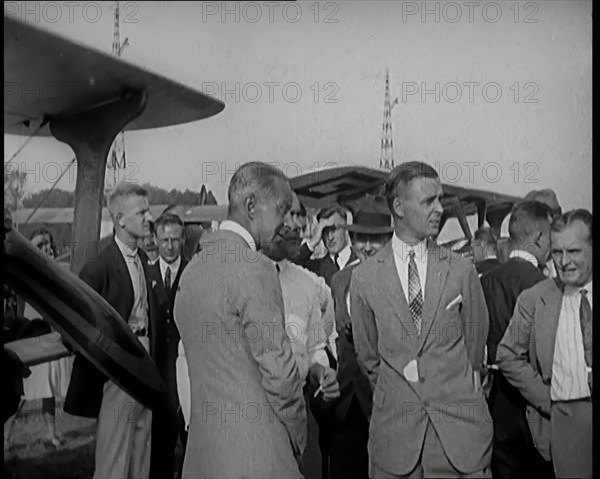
(456, 300)
(411, 371)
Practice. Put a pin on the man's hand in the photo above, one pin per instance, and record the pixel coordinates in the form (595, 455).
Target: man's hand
(321, 225)
(325, 380)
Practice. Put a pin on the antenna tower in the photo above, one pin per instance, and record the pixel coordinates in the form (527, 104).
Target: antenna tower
(117, 159)
(386, 161)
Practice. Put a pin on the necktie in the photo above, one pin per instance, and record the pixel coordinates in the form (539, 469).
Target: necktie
(335, 261)
(415, 296)
(168, 279)
(585, 318)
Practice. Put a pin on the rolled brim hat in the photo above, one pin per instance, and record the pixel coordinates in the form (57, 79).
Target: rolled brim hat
(371, 216)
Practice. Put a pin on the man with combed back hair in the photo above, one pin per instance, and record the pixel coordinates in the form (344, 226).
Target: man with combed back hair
(546, 352)
(118, 274)
(248, 415)
(419, 324)
(514, 454)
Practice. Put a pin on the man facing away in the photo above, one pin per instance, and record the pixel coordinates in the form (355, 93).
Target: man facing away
(248, 416)
(118, 275)
(546, 352)
(369, 232)
(484, 250)
(419, 324)
(514, 454)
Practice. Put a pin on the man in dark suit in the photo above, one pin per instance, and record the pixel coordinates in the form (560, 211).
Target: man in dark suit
(514, 454)
(332, 222)
(420, 323)
(349, 417)
(164, 275)
(484, 250)
(119, 275)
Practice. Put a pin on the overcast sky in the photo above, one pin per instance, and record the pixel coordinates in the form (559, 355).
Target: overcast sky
(511, 111)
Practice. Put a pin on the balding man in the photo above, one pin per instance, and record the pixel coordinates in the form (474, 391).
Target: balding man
(248, 415)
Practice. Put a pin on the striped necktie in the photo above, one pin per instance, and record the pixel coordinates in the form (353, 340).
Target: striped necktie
(415, 296)
(585, 318)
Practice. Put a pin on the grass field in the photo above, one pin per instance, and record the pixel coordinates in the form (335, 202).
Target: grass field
(31, 458)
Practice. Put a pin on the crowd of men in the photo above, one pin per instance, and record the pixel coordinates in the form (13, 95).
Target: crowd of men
(387, 357)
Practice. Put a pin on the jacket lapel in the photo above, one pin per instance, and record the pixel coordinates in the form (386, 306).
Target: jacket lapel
(437, 273)
(121, 272)
(391, 288)
(547, 326)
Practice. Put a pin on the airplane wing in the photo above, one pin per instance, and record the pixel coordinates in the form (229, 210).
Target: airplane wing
(46, 75)
(347, 184)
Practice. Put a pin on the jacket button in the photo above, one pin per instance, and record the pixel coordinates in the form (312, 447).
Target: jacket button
(422, 380)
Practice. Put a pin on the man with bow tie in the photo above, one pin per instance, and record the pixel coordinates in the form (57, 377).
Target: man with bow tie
(165, 274)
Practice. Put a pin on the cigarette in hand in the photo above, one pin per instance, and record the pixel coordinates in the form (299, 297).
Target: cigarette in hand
(320, 390)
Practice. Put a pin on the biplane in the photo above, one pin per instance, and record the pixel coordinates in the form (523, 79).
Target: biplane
(101, 96)
(346, 184)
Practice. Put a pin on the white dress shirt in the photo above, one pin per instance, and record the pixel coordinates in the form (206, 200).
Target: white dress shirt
(401, 251)
(229, 225)
(569, 369)
(174, 266)
(343, 257)
(519, 253)
(138, 318)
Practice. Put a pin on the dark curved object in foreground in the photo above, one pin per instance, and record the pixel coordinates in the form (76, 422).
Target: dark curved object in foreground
(86, 322)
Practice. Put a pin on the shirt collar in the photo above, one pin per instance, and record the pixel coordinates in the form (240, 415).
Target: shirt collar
(125, 249)
(570, 290)
(519, 253)
(235, 227)
(164, 265)
(401, 249)
(343, 256)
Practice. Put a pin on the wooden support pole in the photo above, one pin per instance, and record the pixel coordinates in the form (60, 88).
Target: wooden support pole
(91, 133)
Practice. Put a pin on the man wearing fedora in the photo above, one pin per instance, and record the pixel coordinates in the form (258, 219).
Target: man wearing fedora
(420, 325)
(371, 230)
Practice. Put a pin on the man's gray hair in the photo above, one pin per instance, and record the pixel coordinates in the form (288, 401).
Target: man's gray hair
(120, 191)
(253, 177)
(564, 220)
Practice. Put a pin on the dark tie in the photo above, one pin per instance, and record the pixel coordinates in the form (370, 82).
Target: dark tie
(415, 296)
(585, 318)
(335, 261)
(168, 279)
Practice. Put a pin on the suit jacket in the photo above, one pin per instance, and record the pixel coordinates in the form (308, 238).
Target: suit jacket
(248, 416)
(352, 380)
(325, 267)
(167, 332)
(108, 275)
(501, 287)
(487, 265)
(448, 353)
(526, 353)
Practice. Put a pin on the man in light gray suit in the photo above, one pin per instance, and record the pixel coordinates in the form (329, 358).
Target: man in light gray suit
(420, 325)
(248, 415)
(546, 352)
